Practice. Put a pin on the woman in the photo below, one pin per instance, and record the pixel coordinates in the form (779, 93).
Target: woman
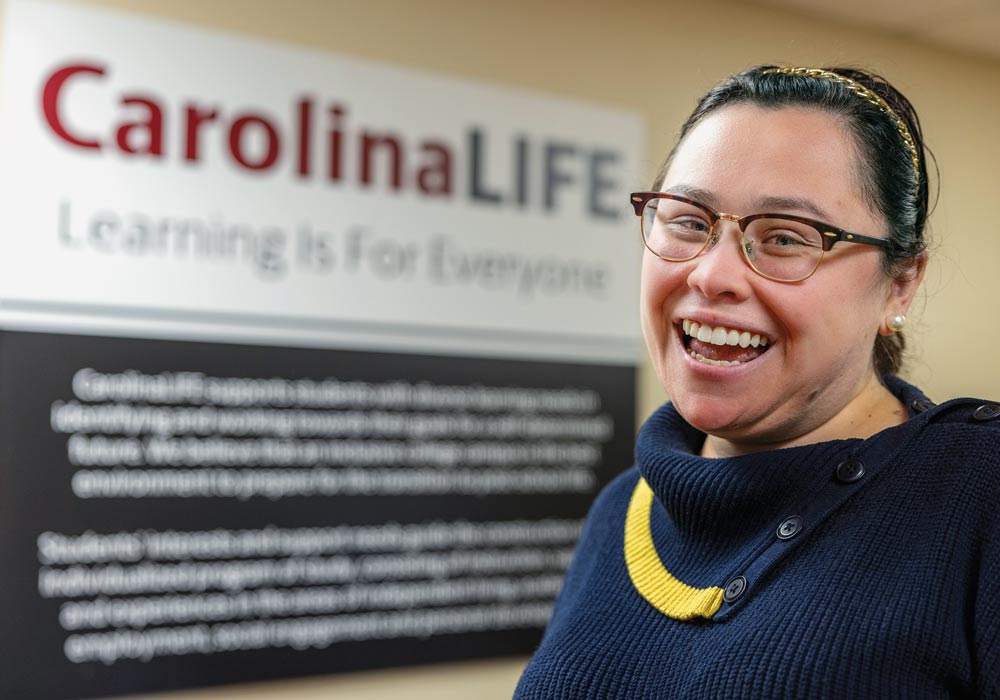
(800, 523)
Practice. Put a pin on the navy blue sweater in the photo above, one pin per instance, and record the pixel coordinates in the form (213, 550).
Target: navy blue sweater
(845, 569)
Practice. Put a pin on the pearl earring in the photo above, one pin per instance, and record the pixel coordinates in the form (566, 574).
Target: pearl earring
(896, 322)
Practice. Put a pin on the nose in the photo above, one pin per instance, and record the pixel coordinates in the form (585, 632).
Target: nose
(721, 270)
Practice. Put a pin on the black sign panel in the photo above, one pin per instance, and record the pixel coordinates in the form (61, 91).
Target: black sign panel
(177, 514)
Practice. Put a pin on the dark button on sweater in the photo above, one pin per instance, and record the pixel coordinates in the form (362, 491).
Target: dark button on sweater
(789, 528)
(988, 411)
(849, 471)
(734, 589)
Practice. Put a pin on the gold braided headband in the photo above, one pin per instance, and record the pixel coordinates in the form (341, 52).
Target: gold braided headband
(867, 95)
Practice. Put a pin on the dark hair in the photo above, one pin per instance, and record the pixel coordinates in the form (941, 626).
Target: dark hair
(888, 182)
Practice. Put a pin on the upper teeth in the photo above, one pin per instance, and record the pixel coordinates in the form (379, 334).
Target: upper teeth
(723, 336)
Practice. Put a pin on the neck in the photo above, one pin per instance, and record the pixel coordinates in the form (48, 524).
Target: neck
(871, 410)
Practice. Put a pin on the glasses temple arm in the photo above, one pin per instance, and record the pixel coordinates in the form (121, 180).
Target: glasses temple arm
(837, 235)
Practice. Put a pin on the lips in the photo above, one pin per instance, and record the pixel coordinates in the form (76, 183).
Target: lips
(723, 346)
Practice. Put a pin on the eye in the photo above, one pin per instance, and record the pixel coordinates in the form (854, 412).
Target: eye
(689, 223)
(781, 237)
(784, 240)
(675, 229)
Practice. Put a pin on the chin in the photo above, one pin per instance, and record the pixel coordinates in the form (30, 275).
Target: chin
(713, 415)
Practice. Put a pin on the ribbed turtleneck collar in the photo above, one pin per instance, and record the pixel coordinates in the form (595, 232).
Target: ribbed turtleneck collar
(705, 496)
(715, 507)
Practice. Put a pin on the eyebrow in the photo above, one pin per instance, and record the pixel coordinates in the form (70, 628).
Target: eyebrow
(775, 204)
(695, 193)
(782, 204)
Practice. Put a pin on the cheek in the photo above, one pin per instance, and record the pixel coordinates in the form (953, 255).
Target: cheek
(835, 324)
(659, 284)
(661, 279)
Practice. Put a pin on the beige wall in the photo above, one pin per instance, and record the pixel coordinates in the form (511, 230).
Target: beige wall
(656, 57)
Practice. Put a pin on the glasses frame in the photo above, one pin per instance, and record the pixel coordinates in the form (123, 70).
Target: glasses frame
(828, 234)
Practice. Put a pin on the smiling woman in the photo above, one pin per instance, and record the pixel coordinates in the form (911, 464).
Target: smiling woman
(800, 522)
(820, 310)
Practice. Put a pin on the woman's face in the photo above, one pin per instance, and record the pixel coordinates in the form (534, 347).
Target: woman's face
(746, 160)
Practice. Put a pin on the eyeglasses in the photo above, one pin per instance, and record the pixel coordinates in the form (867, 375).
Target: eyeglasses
(780, 247)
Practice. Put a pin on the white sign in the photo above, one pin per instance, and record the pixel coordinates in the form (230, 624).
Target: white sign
(190, 183)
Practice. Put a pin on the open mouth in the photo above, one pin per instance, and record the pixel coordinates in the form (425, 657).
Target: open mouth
(722, 346)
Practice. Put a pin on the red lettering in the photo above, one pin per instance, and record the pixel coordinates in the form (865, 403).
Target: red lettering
(316, 134)
(369, 142)
(305, 135)
(152, 125)
(50, 102)
(236, 142)
(336, 136)
(194, 118)
(434, 178)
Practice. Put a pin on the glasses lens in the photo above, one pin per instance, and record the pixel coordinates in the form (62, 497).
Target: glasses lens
(783, 249)
(675, 230)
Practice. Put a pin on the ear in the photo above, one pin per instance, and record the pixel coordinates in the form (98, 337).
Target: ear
(902, 290)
